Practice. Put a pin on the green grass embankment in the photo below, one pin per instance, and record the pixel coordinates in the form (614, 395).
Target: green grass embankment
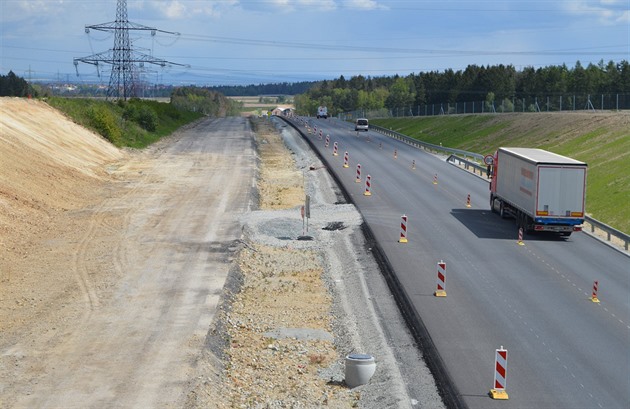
(602, 140)
(134, 123)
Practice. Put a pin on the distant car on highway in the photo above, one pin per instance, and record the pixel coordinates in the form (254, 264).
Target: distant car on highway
(361, 124)
(322, 112)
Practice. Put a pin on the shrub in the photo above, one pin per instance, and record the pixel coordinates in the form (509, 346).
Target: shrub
(147, 118)
(104, 122)
(130, 112)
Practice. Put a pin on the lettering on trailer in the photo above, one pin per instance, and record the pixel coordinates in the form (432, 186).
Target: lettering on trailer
(527, 181)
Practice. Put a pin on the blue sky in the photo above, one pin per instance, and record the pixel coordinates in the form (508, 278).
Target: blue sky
(239, 42)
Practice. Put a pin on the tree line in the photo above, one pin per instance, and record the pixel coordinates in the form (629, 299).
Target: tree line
(204, 101)
(13, 86)
(475, 83)
(252, 90)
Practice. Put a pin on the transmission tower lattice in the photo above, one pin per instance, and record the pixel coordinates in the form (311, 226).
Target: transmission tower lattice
(122, 57)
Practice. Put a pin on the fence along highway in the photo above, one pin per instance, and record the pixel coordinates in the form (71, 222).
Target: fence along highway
(565, 351)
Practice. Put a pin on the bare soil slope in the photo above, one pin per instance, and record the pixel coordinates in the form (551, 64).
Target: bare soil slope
(49, 167)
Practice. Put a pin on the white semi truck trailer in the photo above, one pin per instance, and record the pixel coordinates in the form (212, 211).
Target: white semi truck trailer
(542, 190)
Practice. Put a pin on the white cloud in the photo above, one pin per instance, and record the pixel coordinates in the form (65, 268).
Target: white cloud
(364, 4)
(180, 9)
(316, 5)
(28, 9)
(605, 11)
(175, 9)
(281, 3)
(624, 18)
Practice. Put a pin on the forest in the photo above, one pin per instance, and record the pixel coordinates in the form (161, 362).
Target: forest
(497, 86)
(253, 90)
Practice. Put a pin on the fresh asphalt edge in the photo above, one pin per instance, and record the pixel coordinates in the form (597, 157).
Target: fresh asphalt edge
(446, 388)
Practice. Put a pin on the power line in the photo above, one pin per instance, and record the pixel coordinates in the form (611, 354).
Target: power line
(122, 57)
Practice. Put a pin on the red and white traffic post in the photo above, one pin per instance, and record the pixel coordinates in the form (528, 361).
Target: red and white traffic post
(520, 237)
(403, 229)
(468, 201)
(500, 375)
(346, 159)
(335, 148)
(327, 141)
(435, 179)
(358, 179)
(368, 186)
(595, 290)
(441, 278)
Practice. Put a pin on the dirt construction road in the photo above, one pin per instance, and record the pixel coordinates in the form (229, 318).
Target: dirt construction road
(162, 234)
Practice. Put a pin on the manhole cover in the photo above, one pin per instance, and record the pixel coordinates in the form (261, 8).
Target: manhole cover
(334, 226)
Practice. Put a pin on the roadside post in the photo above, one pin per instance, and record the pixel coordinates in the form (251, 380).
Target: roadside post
(403, 229)
(595, 290)
(368, 186)
(500, 375)
(520, 237)
(441, 278)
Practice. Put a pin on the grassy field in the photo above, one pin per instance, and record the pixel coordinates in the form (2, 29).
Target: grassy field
(600, 139)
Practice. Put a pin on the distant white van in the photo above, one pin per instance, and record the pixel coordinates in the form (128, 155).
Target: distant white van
(322, 112)
(361, 124)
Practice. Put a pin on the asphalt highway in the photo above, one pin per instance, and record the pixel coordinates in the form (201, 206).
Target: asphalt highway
(564, 351)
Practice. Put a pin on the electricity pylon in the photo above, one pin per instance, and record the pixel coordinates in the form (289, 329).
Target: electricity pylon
(122, 57)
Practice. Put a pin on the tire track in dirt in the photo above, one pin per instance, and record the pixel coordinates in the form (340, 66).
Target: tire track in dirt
(81, 270)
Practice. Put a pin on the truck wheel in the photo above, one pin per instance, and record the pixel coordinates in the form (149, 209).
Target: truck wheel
(523, 222)
(502, 211)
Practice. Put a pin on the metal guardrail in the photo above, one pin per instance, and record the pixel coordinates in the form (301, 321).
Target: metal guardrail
(468, 165)
(424, 145)
(610, 233)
